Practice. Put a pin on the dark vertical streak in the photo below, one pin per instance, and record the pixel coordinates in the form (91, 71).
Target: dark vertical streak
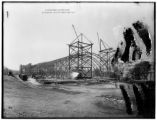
(2, 61)
(127, 100)
(91, 61)
(117, 52)
(115, 58)
(154, 40)
(144, 35)
(7, 14)
(139, 101)
(134, 55)
(129, 39)
(149, 100)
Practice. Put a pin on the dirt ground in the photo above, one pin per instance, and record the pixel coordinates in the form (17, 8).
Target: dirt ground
(24, 100)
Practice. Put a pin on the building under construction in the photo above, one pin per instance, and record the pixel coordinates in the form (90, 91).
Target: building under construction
(81, 59)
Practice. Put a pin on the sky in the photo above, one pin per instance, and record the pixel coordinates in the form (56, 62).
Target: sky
(40, 32)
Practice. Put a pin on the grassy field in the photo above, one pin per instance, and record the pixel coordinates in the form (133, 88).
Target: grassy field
(23, 100)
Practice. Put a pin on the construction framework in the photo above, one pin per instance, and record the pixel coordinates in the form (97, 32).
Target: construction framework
(106, 52)
(80, 57)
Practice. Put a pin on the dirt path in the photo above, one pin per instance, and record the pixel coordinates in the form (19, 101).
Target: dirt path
(23, 101)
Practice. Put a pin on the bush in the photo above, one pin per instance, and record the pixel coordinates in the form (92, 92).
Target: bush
(140, 71)
(97, 72)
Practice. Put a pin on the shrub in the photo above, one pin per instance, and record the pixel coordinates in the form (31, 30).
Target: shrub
(140, 71)
(97, 72)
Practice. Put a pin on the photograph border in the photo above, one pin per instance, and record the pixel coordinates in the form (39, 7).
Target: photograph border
(86, 2)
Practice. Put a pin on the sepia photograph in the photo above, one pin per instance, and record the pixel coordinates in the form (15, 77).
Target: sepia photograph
(78, 60)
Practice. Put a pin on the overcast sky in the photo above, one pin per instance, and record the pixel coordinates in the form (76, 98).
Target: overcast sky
(32, 35)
